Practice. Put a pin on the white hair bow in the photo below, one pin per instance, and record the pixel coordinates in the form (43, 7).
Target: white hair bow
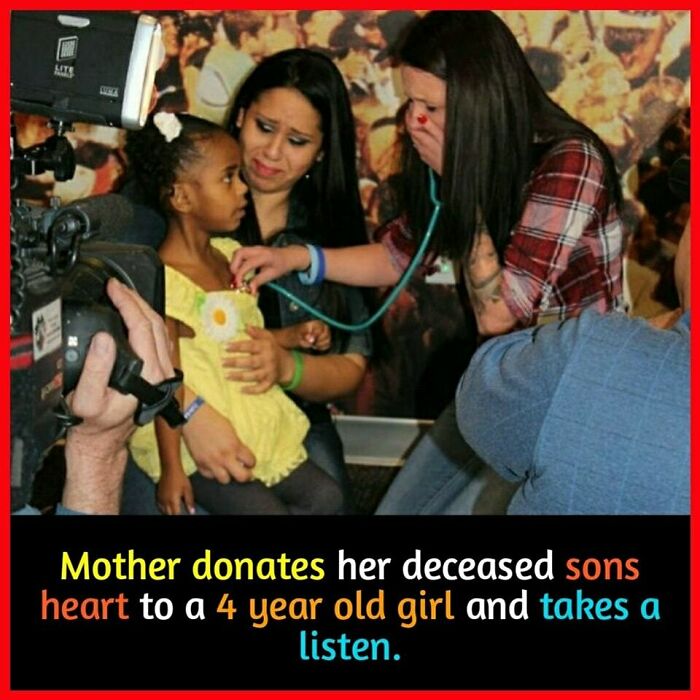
(168, 124)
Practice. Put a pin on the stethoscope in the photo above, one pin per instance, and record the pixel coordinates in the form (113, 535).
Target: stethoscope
(403, 281)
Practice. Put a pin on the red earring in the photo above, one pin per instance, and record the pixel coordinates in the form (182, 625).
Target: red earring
(422, 119)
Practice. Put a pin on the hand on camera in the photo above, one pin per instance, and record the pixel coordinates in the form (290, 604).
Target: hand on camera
(96, 449)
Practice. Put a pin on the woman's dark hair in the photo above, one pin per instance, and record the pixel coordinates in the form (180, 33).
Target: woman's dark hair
(498, 121)
(154, 162)
(330, 195)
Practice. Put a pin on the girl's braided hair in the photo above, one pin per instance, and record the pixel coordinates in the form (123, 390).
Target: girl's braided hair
(154, 162)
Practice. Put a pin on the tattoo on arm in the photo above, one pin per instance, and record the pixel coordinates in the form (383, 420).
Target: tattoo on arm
(484, 274)
(488, 290)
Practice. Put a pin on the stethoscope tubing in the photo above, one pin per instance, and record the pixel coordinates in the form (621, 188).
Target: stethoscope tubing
(391, 297)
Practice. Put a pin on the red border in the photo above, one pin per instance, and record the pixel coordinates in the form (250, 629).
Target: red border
(345, 695)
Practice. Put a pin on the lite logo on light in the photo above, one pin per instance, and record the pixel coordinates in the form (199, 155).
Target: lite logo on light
(67, 48)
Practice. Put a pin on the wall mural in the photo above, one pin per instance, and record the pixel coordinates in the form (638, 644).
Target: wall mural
(626, 74)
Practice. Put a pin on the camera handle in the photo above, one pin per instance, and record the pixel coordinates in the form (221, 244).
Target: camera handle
(80, 323)
(154, 399)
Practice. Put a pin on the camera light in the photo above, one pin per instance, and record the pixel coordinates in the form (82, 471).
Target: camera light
(94, 67)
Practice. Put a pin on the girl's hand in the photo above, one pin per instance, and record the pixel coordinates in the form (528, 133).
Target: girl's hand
(216, 448)
(263, 362)
(314, 335)
(309, 335)
(174, 489)
(270, 263)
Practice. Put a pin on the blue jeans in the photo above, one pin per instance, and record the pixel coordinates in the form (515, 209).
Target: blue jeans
(444, 476)
(325, 449)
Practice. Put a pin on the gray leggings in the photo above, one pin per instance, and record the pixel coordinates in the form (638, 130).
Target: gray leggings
(308, 490)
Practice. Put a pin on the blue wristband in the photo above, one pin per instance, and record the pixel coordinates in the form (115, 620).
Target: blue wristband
(193, 408)
(321, 266)
(316, 271)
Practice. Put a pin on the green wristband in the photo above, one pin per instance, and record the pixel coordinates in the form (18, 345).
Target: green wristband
(298, 372)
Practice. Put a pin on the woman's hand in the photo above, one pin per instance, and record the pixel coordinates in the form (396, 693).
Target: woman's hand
(174, 489)
(270, 263)
(309, 335)
(262, 361)
(428, 139)
(216, 448)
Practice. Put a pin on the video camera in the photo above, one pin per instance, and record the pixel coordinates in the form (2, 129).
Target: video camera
(95, 67)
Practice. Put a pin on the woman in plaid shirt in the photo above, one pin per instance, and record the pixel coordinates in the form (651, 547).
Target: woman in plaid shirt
(530, 213)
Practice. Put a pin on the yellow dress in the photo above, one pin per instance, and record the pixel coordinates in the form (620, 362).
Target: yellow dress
(270, 424)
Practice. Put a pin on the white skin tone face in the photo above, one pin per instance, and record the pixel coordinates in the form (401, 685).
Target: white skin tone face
(280, 140)
(425, 122)
(425, 116)
(169, 36)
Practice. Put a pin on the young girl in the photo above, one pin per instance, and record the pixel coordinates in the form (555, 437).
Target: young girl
(190, 168)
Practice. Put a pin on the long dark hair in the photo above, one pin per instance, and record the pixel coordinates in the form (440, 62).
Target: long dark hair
(496, 112)
(330, 196)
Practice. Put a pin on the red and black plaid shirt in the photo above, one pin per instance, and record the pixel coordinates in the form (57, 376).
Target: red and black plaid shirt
(565, 253)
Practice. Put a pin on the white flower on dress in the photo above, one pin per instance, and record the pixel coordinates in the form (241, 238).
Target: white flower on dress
(168, 124)
(220, 317)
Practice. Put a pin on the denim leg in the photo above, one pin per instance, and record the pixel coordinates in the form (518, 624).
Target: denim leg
(438, 474)
(325, 449)
(138, 492)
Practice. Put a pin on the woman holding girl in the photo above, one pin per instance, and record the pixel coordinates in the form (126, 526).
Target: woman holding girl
(190, 169)
(294, 124)
(530, 202)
